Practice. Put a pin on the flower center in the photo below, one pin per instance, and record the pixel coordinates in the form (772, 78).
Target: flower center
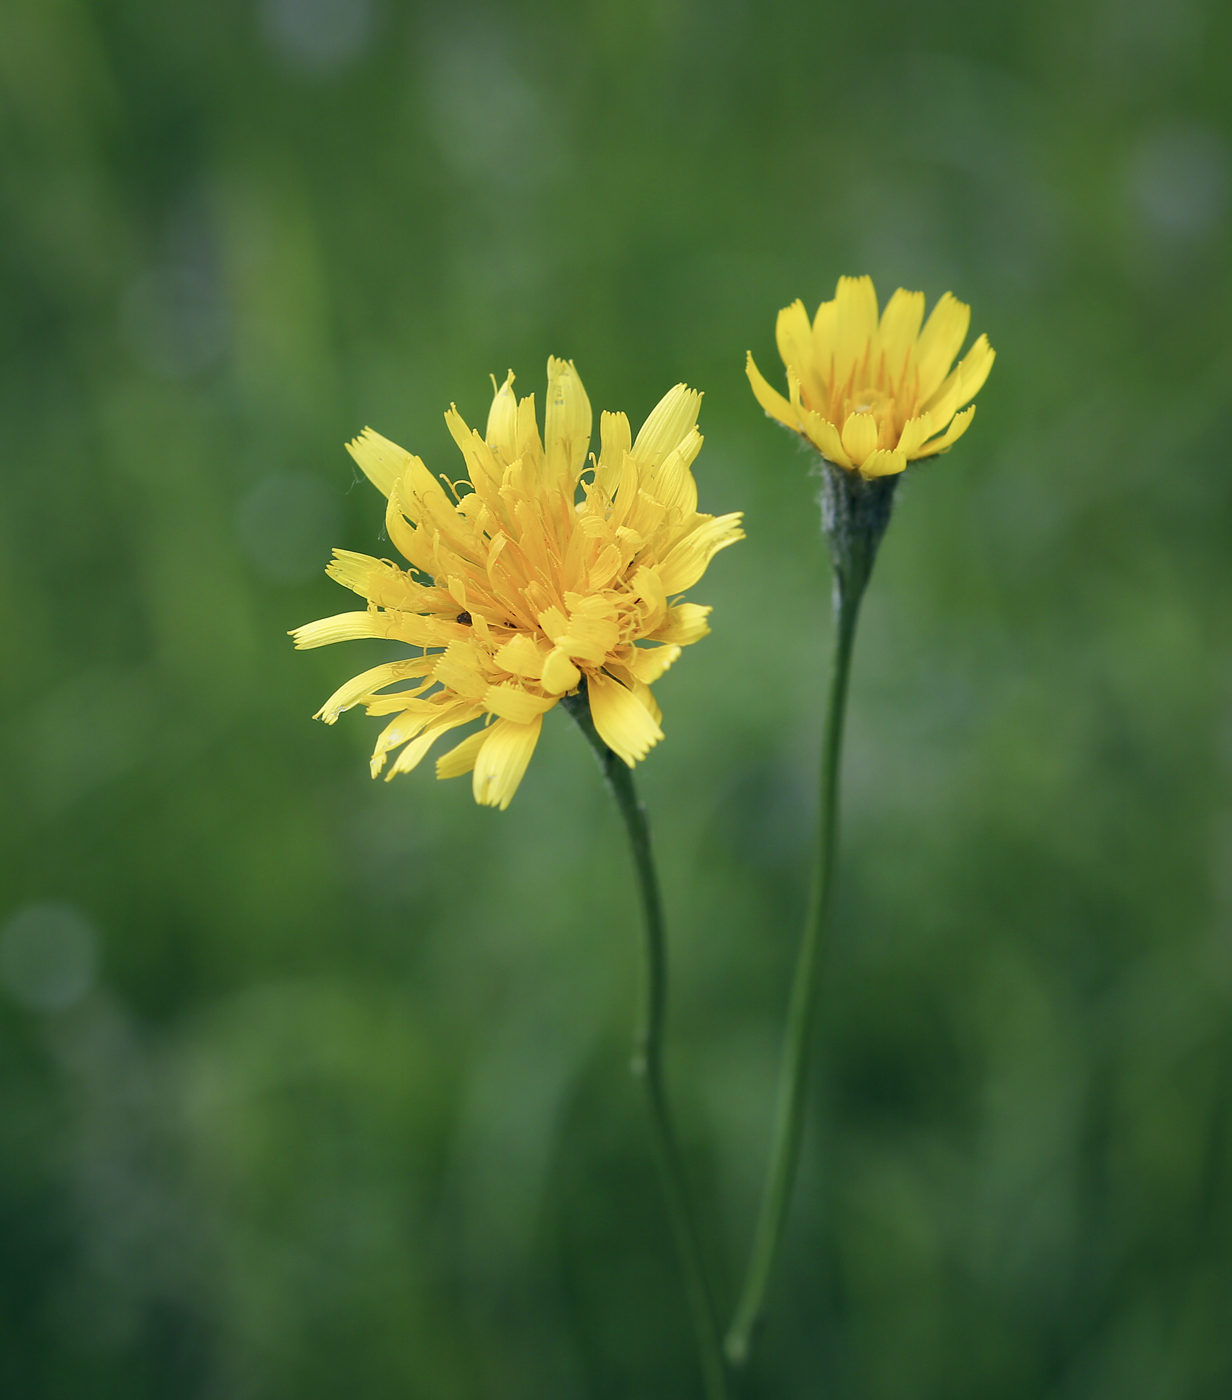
(871, 401)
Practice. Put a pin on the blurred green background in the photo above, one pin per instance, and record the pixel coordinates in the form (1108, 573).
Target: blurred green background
(313, 1086)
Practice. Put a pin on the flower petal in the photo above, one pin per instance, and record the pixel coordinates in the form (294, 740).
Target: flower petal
(770, 399)
(855, 323)
(502, 429)
(567, 418)
(623, 722)
(883, 463)
(615, 440)
(900, 325)
(973, 369)
(345, 627)
(647, 664)
(481, 464)
(461, 758)
(348, 627)
(939, 342)
(502, 760)
(559, 673)
(687, 561)
(360, 687)
(413, 754)
(825, 438)
(915, 431)
(686, 623)
(380, 582)
(670, 422)
(794, 337)
(958, 426)
(510, 702)
(825, 338)
(859, 436)
(380, 460)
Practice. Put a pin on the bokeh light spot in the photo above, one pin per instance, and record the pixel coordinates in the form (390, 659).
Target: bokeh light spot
(1177, 181)
(317, 36)
(173, 322)
(48, 956)
(286, 524)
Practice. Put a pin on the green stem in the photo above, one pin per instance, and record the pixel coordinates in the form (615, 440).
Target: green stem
(648, 1051)
(856, 515)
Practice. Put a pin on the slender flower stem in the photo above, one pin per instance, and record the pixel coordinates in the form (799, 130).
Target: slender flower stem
(855, 515)
(648, 1052)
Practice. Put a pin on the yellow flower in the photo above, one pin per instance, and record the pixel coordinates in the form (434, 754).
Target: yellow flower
(540, 573)
(872, 394)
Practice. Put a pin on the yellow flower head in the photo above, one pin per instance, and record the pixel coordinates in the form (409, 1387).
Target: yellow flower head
(540, 572)
(874, 393)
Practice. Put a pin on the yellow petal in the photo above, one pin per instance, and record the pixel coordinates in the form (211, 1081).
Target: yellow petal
(420, 495)
(825, 337)
(855, 323)
(413, 754)
(940, 340)
(644, 695)
(900, 325)
(399, 731)
(526, 435)
(379, 581)
(825, 438)
(502, 759)
(349, 627)
(647, 664)
(770, 399)
(883, 463)
(567, 418)
(686, 623)
(502, 427)
(859, 436)
(358, 688)
(615, 438)
(559, 673)
(510, 702)
(481, 465)
(345, 627)
(590, 636)
(941, 407)
(554, 623)
(674, 486)
(648, 589)
(794, 337)
(961, 422)
(461, 759)
(414, 545)
(380, 460)
(606, 567)
(915, 431)
(973, 369)
(687, 561)
(670, 422)
(458, 667)
(623, 722)
(520, 657)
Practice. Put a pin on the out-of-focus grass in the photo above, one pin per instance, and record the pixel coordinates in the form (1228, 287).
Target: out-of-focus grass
(317, 1086)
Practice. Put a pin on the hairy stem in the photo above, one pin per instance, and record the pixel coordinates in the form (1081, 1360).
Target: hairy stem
(855, 516)
(648, 1052)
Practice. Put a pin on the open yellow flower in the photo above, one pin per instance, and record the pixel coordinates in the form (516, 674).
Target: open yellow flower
(539, 574)
(874, 393)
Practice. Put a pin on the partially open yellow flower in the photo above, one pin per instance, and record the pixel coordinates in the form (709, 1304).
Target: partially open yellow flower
(874, 393)
(528, 580)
